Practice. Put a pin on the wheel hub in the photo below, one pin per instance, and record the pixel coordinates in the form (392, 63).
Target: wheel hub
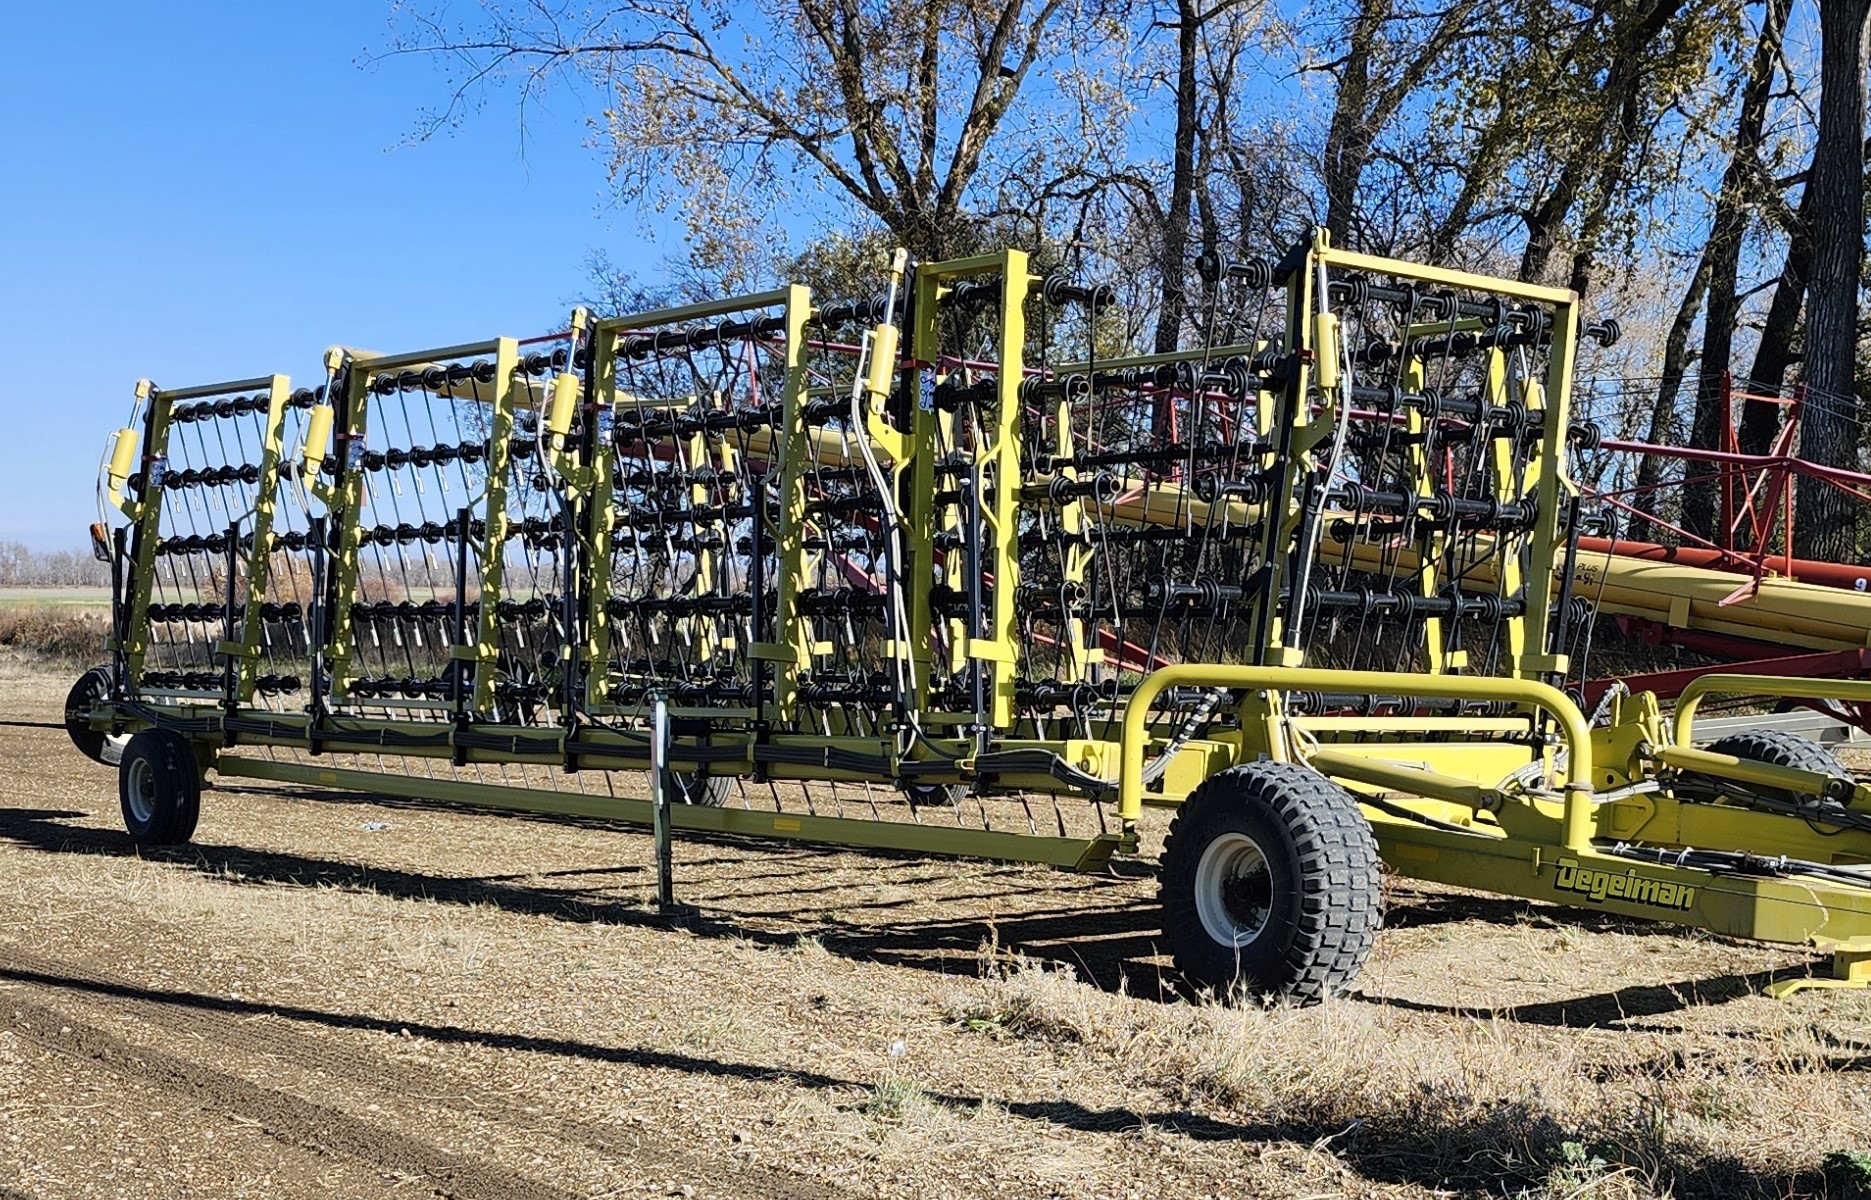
(1234, 889)
(141, 790)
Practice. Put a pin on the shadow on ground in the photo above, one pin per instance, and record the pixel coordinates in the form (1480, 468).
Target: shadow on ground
(1610, 1009)
(1109, 939)
(1507, 1146)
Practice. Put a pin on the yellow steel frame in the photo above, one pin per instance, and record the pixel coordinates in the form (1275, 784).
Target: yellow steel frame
(995, 463)
(791, 651)
(347, 501)
(145, 515)
(1546, 840)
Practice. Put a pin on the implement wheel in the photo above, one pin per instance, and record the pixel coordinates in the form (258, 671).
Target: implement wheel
(159, 787)
(934, 795)
(92, 686)
(1781, 748)
(692, 787)
(1270, 884)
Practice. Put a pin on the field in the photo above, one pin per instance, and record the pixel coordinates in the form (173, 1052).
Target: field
(329, 996)
(57, 597)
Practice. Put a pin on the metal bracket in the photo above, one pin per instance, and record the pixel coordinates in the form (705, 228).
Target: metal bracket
(659, 800)
(1850, 969)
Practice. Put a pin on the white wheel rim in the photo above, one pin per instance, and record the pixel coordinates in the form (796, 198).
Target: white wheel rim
(141, 790)
(1234, 890)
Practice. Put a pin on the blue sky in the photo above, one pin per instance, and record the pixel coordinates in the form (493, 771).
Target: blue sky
(208, 191)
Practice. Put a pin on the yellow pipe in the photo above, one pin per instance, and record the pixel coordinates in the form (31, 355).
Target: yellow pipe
(1747, 770)
(1397, 777)
(1783, 611)
(1578, 807)
(1780, 610)
(1761, 685)
(1776, 610)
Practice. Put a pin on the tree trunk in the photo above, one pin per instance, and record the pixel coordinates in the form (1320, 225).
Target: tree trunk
(1733, 205)
(1348, 141)
(1546, 221)
(1663, 412)
(1760, 422)
(1828, 425)
(1175, 264)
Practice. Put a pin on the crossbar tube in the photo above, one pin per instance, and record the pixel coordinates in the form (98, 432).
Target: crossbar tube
(1532, 693)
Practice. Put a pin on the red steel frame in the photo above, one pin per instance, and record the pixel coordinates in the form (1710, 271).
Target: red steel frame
(1757, 503)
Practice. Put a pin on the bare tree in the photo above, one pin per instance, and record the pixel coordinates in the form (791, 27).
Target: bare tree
(1389, 56)
(1830, 431)
(1596, 166)
(1676, 358)
(905, 110)
(21, 566)
(1777, 351)
(1741, 190)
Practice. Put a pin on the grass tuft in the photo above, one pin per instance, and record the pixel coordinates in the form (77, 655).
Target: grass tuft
(1474, 1105)
(54, 633)
(897, 1101)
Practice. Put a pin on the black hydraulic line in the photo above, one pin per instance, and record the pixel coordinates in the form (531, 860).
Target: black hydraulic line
(1291, 398)
(316, 634)
(971, 497)
(119, 611)
(1736, 862)
(230, 700)
(458, 667)
(581, 537)
(1408, 814)
(1558, 636)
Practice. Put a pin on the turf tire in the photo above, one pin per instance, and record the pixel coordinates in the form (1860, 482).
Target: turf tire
(934, 795)
(690, 787)
(1781, 748)
(1283, 860)
(91, 687)
(159, 788)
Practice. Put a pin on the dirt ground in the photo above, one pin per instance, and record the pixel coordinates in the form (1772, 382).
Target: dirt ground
(330, 996)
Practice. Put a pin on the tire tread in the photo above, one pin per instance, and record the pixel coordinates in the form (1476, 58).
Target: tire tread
(1781, 748)
(1340, 905)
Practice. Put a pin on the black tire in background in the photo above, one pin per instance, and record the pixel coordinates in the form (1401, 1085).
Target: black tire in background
(159, 788)
(91, 687)
(691, 787)
(934, 795)
(1270, 884)
(1781, 748)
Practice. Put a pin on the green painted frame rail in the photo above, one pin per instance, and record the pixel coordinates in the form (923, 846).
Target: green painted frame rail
(1077, 854)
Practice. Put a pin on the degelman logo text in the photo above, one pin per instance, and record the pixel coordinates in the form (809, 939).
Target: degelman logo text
(1603, 885)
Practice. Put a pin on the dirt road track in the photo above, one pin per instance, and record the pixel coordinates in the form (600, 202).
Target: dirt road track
(332, 996)
(265, 1033)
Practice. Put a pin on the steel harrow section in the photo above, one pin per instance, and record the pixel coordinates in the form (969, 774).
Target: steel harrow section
(735, 486)
(1385, 511)
(921, 577)
(218, 548)
(448, 535)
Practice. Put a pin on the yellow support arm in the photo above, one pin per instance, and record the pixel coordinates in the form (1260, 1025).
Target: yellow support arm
(1762, 685)
(1532, 693)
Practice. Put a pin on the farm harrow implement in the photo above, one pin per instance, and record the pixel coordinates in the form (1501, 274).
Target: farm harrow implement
(927, 573)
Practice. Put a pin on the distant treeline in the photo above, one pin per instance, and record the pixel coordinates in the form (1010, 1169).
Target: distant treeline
(21, 566)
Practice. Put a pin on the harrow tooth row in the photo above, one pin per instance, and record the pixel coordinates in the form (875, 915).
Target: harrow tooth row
(933, 571)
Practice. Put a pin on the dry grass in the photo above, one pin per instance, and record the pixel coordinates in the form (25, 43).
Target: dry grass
(333, 995)
(1483, 1107)
(55, 633)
